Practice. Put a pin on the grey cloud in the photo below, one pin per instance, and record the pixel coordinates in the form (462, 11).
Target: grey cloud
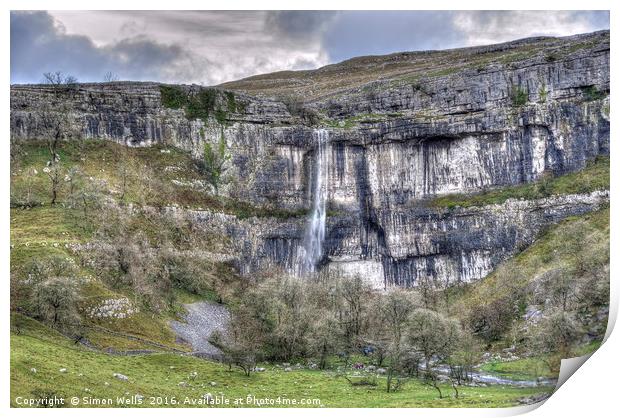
(39, 44)
(299, 23)
(211, 47)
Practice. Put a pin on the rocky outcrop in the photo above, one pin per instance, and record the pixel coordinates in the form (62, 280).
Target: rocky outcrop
(400, 247)
(497, 116)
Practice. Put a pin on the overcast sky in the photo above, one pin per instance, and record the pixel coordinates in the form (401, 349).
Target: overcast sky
(210, 47)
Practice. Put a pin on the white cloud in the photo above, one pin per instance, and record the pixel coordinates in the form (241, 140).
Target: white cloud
(220, 46)
(483, 28)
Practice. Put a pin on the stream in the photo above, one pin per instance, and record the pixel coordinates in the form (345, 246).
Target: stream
(491, 379)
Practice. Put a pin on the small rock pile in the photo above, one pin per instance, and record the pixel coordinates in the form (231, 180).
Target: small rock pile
(112, 309)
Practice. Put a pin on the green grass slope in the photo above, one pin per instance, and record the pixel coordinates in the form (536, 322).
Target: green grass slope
(89, 375)
(157, 176)
(579, 248)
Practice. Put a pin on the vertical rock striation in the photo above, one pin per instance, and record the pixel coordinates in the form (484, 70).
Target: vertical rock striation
(403, 129)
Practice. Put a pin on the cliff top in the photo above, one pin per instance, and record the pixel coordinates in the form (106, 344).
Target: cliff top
(367, 74)
(411, 66)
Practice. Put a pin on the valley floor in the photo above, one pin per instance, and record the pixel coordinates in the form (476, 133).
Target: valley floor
(164, 380)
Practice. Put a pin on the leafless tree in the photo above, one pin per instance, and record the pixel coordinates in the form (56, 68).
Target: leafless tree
(54, 172)
(57, 125)
(241, 345)
(435, 338)
(110, 77)
(60, 81)
(54, 296)
(351, 308)
(385, 335)
(124, 172)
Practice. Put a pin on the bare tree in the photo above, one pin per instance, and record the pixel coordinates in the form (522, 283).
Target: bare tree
(351, 295)
(55, 301)
(54, 296)
(429, 291)
(110, 77)
(463, 360)
(54, 172)
(75, 180)
(60, 81)
(324, 337)
(241, 346)
(435, 338)
(89, 196)
(385, 335)
(57, 124)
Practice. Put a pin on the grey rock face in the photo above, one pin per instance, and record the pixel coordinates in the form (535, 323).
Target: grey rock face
(401, 247)
(392, 143)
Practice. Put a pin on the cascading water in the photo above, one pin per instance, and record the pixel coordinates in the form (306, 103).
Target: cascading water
(312, 250)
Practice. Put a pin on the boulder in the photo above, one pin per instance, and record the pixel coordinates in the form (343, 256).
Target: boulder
(120, 376)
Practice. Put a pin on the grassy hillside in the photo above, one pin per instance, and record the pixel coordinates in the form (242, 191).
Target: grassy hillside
(45, 232)
(408, 68)
(155, 176)
(566, 269)
(100, 171)
(566, 245)
(90, 374)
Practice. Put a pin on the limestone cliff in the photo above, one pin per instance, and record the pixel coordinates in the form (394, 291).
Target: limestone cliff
(403, 129)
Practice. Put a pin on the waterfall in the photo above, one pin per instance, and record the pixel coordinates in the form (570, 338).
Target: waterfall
(312, 249)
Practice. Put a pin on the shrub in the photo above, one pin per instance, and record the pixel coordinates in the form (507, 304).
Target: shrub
(545, 184)
(556, 335)
(231, 103)
(543, 93)
(214, 160)
(54, 300)
(551, 57)
(189, 273)
(518, 96)
(173, 97)
(592, 93)
(495, 317)
(201, 105)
